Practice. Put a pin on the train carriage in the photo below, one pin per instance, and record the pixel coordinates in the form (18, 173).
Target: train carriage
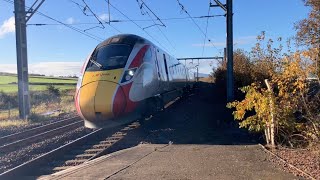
(126, 77)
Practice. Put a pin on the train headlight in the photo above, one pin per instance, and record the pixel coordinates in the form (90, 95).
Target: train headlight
(128, 75)
(131, 72)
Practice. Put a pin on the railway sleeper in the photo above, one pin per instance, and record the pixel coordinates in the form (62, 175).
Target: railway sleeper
(94, 150)
(127, 129)
(102, 145)
(120, 133)
(60, 168)
(108, 141)
(75, 161)
(114, 138)
(85, 155)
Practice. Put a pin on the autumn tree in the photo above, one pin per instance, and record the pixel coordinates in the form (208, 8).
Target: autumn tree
(308, 33)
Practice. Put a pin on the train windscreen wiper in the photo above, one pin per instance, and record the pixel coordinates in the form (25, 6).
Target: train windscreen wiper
(100, 66)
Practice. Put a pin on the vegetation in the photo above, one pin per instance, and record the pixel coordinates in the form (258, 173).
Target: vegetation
(10, 123)
(46, 94)
(279, 98)
(8, 83)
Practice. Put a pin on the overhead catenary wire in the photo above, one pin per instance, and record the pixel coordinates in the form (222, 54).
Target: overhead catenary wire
(87, 7)
(163, 34)
(207, 23)
(137, 25)
(143, 4)
(196, 24)
(92, 36)
(124, 20)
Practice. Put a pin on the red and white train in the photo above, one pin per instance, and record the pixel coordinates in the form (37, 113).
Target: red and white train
(127, 76)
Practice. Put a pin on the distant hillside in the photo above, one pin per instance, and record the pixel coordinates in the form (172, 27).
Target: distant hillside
(39, 75)
(203, 75)
(7, 74)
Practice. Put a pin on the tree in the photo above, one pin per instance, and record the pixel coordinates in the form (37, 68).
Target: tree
(308, 29)
(308, 33)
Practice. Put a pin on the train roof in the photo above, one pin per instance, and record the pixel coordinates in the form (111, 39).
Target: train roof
(129, 39)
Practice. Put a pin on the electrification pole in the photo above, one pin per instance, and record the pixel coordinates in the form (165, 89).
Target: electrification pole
(21, 18)
(230, 89)
(229, 13)
(22, 58)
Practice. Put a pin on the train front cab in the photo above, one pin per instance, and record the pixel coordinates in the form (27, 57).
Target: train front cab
(96, 99)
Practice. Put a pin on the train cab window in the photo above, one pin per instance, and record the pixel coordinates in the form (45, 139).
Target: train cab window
(112, 56)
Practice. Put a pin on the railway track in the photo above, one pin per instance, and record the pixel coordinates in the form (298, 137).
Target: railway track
(91, 150)
(17, 140)
(79, 151)
(72, 154)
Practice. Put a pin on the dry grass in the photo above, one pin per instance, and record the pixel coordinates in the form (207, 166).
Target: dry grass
(38, 112)
(206, 79)
(13, 123)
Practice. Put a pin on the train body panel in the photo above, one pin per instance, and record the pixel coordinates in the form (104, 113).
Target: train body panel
(123, 77)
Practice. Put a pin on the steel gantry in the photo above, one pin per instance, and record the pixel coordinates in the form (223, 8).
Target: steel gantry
(199, 58)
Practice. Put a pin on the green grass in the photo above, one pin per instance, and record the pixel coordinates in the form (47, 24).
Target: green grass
(7, 86)
(37, 79)
(12, 88)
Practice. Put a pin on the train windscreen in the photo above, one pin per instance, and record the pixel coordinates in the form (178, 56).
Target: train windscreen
(112, 56)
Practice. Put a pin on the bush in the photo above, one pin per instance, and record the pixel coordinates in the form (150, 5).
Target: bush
(289, 110)
(8, 101)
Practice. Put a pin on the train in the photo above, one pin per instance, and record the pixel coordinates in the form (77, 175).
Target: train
(127, 77)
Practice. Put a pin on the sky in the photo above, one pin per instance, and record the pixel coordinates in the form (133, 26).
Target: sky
(55, 49)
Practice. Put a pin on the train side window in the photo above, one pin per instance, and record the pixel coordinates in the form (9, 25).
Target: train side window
(165, 63)
(148, 55)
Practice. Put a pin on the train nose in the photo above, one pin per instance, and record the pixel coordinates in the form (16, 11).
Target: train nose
(97, 100)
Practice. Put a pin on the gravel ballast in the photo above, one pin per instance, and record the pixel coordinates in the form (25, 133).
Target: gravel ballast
(19, 156)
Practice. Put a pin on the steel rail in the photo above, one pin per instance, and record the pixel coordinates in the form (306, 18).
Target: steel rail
(27, 168)
(31, 132)
(38, 137)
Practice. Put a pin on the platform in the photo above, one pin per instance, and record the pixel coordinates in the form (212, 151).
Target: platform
(169, 161)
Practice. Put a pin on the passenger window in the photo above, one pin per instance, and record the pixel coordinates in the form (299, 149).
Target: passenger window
(147, 56)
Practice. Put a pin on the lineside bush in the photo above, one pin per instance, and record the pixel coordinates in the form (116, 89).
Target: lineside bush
(289, 108)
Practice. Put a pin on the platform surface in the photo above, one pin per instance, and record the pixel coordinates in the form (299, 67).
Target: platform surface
(170, 161)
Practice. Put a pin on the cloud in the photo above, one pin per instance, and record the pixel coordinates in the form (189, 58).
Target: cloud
(70, 20)
(104, 17)
(8, 26)
(239, 41)
(47, 68)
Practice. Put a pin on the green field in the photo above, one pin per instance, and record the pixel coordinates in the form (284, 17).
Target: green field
(8, 83)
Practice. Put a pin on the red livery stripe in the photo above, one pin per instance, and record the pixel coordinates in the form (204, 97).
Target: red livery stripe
(137, 61)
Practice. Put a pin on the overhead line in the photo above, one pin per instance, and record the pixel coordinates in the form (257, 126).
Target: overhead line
(95, 15)
(183, 9)
(145, 5)
(137, 25)
(67, 25)
(123, 20)
(205, 37)
(155, 23)
(164, 35)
